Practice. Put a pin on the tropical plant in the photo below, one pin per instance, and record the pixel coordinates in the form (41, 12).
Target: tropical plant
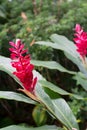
(36, 22)
(23, 73)
(20, 68)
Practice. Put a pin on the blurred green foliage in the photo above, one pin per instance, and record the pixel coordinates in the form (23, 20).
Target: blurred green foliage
(79, 107)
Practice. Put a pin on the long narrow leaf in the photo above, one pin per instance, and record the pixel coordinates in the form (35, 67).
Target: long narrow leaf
(53, 87)
(5, 65)
(67, 46)
(58, 90)
(51, 65)
(64, 114)
(45, 127)
(15, 96)
(44, 98)
(64, 44)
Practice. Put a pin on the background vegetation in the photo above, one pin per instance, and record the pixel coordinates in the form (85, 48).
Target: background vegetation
(36, 20)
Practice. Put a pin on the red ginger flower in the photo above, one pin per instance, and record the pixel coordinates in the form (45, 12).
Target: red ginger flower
(81, 41)
(17, 50)
(23, 66)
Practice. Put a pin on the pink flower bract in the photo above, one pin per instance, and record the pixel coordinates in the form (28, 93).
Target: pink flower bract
(81, 40)
(21, 61)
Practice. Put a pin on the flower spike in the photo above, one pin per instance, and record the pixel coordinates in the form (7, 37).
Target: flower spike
(24, 69)
(81, 41)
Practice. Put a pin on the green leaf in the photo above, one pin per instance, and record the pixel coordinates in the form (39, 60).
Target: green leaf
(39, 115)
(44, 98)
(51, 65)
(58, 90)
(53, 87)
(64, 44)
(78, 62)
(2, 12)
(67, 46)
(61, 43)
(5, 65)
(58, 108)
(77, 96)
(81, 80)
(45, 127)
(64, 114)
(15, 96)
(69, 49)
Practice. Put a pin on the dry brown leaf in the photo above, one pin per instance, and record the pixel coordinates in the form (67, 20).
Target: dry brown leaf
(29, 29)
(23, 15)
(33, 41)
